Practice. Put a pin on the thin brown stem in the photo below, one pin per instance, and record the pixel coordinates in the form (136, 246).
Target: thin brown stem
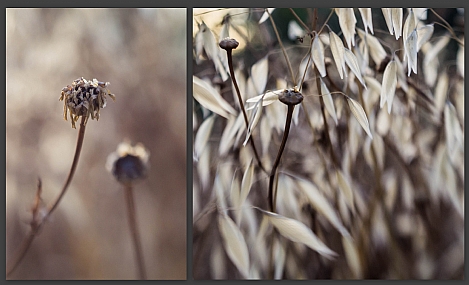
(243, 110)
(129, 199)
(279, 155)
(37, 225)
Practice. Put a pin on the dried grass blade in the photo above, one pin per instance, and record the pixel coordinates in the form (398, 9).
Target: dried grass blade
(352, 257)
(320, 204)
(209, 97)
(202, 135)
(360, 115)
(352, 63)
(299, 232)
(377, 51)
(259, 74)
(317, 52)
(246, 183)
(337, 48)
(424, 34)
(410, 48)
(388, 88)
(235, 245)
(344, 186)
(367, 19)
(213, 50)
(387, 13)
(265, 16)
(255, 116)
(229, 133)
(328, 102)
(397, 17)
(347, 22)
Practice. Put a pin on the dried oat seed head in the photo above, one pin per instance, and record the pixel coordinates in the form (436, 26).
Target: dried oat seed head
(128, 163)
(84, 98)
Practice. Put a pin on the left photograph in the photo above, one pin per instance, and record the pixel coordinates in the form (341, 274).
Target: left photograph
(96, 144)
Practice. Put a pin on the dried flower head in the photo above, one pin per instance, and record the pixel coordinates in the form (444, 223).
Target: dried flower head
(84, 98)
(128, 163)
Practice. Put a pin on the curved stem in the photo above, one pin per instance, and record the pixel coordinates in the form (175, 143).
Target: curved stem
(272, 197)
(35, 225)
(240, 100)
(134, 231)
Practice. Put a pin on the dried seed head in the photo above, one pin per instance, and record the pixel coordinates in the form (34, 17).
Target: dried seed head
(228, 44)
(291, 96)
(84, 98)
(129, 163)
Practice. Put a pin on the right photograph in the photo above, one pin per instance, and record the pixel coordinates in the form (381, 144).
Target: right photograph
(328, 143)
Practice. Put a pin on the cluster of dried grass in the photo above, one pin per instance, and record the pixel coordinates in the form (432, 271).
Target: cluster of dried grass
(363, 191)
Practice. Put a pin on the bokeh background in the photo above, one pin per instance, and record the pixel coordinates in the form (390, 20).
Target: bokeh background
(142, 53)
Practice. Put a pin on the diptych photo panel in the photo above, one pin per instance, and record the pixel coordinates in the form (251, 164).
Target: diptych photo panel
(328, 143)
(234, 143)
(96, 144)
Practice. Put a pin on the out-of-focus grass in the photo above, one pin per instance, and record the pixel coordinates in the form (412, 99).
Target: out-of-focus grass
(142, 53)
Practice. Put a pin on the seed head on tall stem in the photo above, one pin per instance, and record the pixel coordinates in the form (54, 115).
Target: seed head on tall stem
(84, 98)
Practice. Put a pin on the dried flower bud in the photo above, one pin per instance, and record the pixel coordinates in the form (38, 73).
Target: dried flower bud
(129, 162)
(228, 44)
(291, 96)
(84, 98)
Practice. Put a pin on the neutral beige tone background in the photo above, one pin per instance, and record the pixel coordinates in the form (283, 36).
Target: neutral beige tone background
(142, 53)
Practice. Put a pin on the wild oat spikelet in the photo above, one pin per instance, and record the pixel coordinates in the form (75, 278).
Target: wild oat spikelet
(85, 98)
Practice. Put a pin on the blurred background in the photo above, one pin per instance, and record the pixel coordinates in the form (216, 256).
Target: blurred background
(142, 53)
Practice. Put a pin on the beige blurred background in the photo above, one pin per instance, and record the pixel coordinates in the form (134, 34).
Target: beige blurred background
(142, 53)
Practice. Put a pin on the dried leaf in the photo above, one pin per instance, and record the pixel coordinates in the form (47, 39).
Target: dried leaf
(265, 16)
(279, 257)
(352, 63)
(267, 98)
(397, 16)
(317, 52)
(367, 19)
(377, 51)
(389, 85)
(344, 186)
(199, 45)
(409, 25)
(431, 55)
(225, 30)
(294, 30)
(352, 257)
(202, 135)
(259, 73)
(320, 204)
(328, 102)
(209, 97)
(360, 115)
(423, 35)
(246, 183)
(235, 245)
(347, 23)
(298, 232)
(410, 48)
(441, 93)
(213, 51)
(460, 59)
(254, 119)
(337, 48)
(387, 13)
(227, 138)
